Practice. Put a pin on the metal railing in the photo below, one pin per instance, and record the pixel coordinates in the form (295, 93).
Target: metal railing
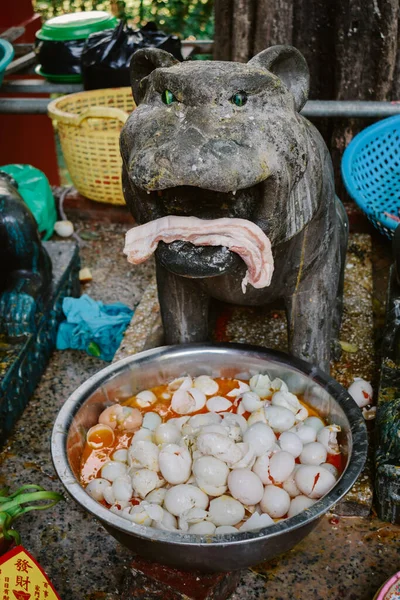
(313, 109)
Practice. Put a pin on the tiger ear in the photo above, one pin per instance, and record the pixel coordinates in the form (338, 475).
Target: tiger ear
(143, 62)
(287, 63)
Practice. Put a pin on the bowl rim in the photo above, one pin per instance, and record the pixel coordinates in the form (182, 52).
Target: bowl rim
(82, 393)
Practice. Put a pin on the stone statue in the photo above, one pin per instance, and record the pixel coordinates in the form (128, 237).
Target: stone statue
(234, 191)
(25, 267)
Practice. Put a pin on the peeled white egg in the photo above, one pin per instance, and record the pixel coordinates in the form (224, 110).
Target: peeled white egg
(156, 496)
(304, 432)
(299, 504)
(361, 391)
(218, 404)
(281, 466)
(167, 523)
(181, 498)
(331, 468)
(225, 529)
(260, 437)
(175, 463)
(240, 409)
(290, 442)
(188, 401)
(215, 444)
(215, 429)
(179, 422)
(260, 384)
(96, 487)
(313, 454)
(314, 422)
(287, 400)
(153, 510)
(136, 514)
(112, 469)
(211, 475)
(151, 420)
(289, 485)
(275, 501)
(279, 418)
(197, 422)
(327, 436)
(235, 425)
(144, 481)
(205, 384)
(314, 481)
(230, 419)
(238, 391)
(191, 516)
(109, 496)
(145, 398)
(261, 469)
(122, 488)
(245, 486)
(143, 454)
(167, 433)
(258, 416)
(256, 521)
(202, 528)
(143, 514)
(251, 402)
(143, 434)
(225, 511)
(248, 457)
(120, 455)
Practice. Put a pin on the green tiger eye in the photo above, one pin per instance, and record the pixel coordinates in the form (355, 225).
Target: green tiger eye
(239, 99)
(168, 97)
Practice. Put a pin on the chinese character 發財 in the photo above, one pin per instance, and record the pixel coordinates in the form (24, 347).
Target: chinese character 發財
(22, 565)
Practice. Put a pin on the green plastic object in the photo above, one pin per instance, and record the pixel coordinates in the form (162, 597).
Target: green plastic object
(58, 78)
(35, 189)
(6, 56)
(76, 26)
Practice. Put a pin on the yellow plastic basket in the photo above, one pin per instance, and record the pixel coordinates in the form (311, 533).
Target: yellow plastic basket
(89, 125)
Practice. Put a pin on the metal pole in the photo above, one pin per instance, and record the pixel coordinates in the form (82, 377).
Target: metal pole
(350, 109)
(24, 106)
(38, 86)
(313, 109)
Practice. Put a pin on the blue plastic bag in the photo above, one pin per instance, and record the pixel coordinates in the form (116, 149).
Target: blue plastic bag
(93, 326)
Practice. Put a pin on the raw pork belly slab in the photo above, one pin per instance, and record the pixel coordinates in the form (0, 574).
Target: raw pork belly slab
(239, 235)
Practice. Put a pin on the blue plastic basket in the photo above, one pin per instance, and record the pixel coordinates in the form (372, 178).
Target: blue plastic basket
(371, 172)
(6, 56)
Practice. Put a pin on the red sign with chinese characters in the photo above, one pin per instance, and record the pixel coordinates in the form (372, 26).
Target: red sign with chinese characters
(22, 578)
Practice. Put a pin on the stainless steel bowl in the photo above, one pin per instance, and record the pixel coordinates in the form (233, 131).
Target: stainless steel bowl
(205, 553)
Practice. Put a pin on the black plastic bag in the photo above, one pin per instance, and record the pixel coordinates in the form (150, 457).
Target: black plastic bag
(60, 58)
(107, 54)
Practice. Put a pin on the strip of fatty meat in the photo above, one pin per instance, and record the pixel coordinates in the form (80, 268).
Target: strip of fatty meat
(239, 235)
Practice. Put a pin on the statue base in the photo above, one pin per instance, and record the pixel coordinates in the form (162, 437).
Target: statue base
(23, 361)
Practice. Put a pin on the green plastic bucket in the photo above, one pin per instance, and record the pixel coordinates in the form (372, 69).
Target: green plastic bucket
(65, 36)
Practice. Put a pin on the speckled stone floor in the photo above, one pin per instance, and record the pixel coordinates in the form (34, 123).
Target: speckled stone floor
(347, 558)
